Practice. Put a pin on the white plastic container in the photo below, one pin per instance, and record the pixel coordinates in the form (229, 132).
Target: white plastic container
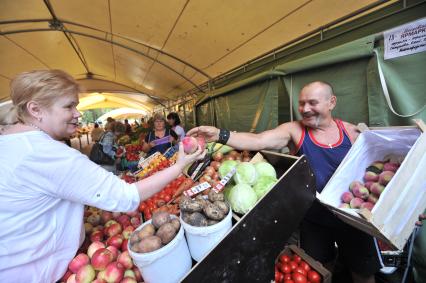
(166, 265)
(202, 239)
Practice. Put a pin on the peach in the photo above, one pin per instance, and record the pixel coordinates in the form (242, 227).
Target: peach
(344, 205)
(367, 205)
(356, 203)
(368, 185)
(378, 164)
(377, 189)
(372, 198)
(360, 192)
(355, 184)
(390, 166)
(371, 177)
(190, 144)
(385, 177)
(347, 197)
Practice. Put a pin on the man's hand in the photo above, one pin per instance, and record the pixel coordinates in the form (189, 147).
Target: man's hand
(209, 133)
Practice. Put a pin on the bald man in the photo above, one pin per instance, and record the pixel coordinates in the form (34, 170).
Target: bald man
(324, 141)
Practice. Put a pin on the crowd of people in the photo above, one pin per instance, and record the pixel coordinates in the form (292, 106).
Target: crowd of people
(45, 184)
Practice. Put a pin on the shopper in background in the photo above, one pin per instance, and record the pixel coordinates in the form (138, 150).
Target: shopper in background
(109, 121)
(174, 122)
(160, 138)
(128, 127)
(45, 184)
(324, 141)
(96, 133)
(109, 144)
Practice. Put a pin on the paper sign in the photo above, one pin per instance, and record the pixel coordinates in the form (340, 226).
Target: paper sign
(163, 140)
(197, 189)
(406, 39)
(224, 181)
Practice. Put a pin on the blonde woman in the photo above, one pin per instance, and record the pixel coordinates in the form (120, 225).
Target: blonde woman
(45, 184)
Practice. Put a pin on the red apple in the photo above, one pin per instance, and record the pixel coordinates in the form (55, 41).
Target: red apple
(125, 259)
(114, 272)
(79, 261)
(106, 216)
(124, 220)
(97, 236)
(88, 228)
(114, 252)
(113, 229)
(115, 241)
(136, 221)
(85, 274)
(128, 280)
(72, 279)
(109, 223)
(137, 274)
(128, 231)
(94, 247)
(129, 273)
(66, 275)
(101, 258)
(94, 219)
(133, 213)
(124, 245)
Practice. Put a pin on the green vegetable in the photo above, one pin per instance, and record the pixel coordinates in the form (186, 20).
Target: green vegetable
(218, 147)
(242, 198)
(246, 173)
(265, 169)
(226, 166)
(263, 185)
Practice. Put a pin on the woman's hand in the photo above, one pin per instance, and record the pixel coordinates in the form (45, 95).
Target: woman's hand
(186, 159)
(209, 133)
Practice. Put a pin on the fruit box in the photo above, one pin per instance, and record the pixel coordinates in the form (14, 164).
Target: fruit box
(394, 215)
(315, 265)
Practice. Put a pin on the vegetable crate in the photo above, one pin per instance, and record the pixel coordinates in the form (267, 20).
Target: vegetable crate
(393, 217)
(315, 265)
(248, 251)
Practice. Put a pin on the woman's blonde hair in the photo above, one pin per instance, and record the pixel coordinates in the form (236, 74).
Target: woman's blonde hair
(41, 86)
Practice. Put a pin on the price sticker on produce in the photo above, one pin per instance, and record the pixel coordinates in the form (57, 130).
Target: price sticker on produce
(197, 189)
(225, 180)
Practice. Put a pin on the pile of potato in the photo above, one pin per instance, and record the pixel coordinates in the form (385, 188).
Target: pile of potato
(204, 212)
(161, 231)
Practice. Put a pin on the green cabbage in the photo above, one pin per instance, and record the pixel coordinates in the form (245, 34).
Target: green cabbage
(263, 185)
(246, 173)
(265, 169)
(226, 166)
(242, 198)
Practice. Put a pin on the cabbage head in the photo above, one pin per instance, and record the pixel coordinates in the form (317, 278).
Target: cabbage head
(246, 173)
(242, 198)
(226, 166)
(263, 185)
(265, 169)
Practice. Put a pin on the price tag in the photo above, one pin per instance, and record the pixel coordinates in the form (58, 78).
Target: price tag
(197, 189)
(219, 187)
(197, 170)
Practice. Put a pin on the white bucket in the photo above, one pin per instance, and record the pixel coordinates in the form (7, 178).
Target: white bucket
(166, 265)
(202, 239)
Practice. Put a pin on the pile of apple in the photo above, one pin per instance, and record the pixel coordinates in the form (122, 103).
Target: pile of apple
(365, 195)
(290, 268)
(104, 257)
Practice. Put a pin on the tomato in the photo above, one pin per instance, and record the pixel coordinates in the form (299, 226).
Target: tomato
(305, 265)
(293, 265)
(278, 277)
(148, 216)
(287, 276)
(167, 198)
(285, 258)
(142, 206)
(301, 271)
(297, 258)
(299, 278)
(314, 277)
(288, 281)
(285, 268)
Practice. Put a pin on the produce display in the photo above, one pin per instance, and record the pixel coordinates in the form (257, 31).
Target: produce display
(156, 234)
(366, 194)
(103, 257)
(290, 268)
(204, 211)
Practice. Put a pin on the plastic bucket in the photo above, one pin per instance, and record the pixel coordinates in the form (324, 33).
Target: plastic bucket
(202, 239)
(166, 265)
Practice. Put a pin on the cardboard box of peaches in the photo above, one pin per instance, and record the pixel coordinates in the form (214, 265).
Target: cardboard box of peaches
(380, 186)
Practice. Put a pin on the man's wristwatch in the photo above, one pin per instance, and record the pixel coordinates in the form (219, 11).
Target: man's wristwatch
(223, 136)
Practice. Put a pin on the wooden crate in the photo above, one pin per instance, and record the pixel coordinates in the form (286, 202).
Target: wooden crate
(393, 217)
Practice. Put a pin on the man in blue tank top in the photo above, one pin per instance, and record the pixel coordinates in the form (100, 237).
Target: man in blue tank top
(325, 141)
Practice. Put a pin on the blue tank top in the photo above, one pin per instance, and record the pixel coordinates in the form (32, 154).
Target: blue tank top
(324, 159)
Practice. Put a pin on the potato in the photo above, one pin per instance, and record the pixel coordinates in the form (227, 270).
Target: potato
(147, 230)
(149, 244)
(166, 233)
(211, 222)
(197, 219)
(222, 206)
(176, 223)
(213, 196)
(160, 218)
(185, 216)
(135, 247)
(134, 238)
(213, 212)
(190, 206)
(202, 202)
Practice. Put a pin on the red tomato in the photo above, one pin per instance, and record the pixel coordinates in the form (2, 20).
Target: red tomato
(293, 265)
(278, 277)
(285, 268)
(285, 258)
(142, 206)
(305, 265)
(148, 216)
(299, 278)
(288, 281)
(297, 258)
(301, 271)
(287, 276)
(167, 198)
(314, 277)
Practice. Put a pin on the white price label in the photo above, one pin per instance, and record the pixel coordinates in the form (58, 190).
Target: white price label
(225, 180)
(197, 189)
